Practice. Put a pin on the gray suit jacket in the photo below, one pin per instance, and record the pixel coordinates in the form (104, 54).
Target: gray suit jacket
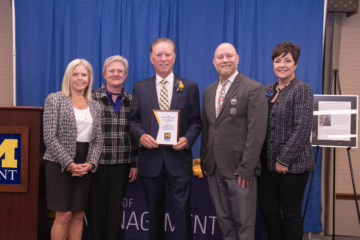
(234, 142)
(60, 131)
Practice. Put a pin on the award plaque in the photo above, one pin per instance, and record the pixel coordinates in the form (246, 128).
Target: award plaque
(165, 126)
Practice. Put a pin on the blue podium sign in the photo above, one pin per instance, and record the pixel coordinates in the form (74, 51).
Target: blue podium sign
(14, 159)
(10, 158)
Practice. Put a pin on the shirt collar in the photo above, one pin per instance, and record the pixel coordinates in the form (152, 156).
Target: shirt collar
(231, 78)
(169, 78)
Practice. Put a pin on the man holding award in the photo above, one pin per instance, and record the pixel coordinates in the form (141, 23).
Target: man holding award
(165, 120)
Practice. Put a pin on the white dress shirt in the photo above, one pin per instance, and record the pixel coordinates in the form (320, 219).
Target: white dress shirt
(169, 86)
(231, 79)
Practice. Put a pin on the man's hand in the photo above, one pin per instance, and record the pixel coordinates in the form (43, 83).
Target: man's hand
(133, 174)
(243, 182)
(183, 142)
(281, 168)
(148, 141)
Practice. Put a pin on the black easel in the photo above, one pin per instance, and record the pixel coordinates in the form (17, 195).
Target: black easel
(336, 80)
(353, 182)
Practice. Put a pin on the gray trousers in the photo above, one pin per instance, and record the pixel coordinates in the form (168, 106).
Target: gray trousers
(235, 206)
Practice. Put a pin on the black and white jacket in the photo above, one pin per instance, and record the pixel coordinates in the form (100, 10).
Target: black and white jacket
(60, 132)
(289, 127)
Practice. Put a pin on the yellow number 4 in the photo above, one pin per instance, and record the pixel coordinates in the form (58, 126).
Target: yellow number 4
(8, 148)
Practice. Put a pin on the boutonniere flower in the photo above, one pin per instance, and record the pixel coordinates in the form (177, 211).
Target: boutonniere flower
(179, 86)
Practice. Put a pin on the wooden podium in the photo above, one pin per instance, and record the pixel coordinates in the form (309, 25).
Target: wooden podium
(19, 207)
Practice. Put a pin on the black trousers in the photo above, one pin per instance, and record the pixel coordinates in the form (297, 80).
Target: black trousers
(179, 189)
(106, 197)
(284, 192)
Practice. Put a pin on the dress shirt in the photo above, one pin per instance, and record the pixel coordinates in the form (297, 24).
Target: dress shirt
(169, 86)
(231, 79)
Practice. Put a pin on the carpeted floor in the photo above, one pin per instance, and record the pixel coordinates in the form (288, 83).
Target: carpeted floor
(318, 237)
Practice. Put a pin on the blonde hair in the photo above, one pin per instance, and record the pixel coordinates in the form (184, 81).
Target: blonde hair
(117, 58)
(66, 83)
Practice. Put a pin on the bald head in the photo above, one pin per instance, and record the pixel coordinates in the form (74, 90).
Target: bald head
(228, 46)
(226, 60)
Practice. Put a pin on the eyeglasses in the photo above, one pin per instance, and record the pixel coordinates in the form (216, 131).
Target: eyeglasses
(113, 71)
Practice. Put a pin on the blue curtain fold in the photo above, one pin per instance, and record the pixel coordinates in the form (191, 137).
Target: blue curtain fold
(51, 33)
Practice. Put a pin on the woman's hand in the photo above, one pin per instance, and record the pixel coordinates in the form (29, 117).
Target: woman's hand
(281, 168)
(88, 166)
(79, 170)
(133, 174)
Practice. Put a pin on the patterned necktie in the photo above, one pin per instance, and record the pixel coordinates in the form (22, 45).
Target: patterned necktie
(164, 100)
(221, 97)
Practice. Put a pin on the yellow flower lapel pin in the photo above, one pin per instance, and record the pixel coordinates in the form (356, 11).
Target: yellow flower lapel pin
(179, 86)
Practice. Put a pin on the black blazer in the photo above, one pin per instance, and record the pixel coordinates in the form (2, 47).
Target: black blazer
(178, 163)
(289, 127)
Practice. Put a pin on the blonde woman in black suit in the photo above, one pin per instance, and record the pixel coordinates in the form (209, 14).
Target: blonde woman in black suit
(73, 139)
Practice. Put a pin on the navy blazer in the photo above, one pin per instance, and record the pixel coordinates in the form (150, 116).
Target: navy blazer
(150, 161)
(289, 127)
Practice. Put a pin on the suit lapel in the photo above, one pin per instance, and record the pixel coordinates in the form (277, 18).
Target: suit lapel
(175, 94)
(92, 112)
(212, 103)
(232, 88)
(151, 84)
(70, 109)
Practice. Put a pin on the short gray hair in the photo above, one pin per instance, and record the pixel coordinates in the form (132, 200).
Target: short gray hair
(117, 58)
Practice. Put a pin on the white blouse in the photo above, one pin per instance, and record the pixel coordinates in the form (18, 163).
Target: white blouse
(83, 124)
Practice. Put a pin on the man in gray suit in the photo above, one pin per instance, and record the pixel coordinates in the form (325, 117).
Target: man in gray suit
(234, 116)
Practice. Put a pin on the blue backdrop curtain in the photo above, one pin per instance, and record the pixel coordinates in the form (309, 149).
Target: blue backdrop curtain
(51, 33)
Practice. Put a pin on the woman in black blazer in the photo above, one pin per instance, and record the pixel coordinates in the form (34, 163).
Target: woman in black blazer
(287, 156)
(73, 139)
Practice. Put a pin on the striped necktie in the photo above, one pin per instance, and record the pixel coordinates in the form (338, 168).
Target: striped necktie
(221, 97)
(164, 100)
